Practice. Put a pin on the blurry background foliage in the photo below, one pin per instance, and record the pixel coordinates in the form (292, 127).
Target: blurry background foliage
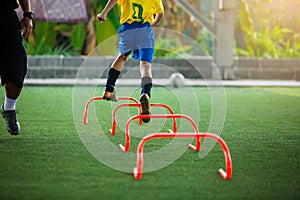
(264, 28)
(270, 28)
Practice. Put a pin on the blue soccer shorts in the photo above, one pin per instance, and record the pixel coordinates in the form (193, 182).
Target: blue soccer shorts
(137, 38)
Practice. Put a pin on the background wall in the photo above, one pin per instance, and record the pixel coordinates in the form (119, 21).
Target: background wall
(244, 68)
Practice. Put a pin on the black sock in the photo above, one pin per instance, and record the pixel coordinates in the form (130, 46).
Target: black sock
(112, 77)
(146, 84)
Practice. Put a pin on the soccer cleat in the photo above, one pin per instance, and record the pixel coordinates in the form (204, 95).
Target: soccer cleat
(145, 102)
(12, 124)
(110, 96)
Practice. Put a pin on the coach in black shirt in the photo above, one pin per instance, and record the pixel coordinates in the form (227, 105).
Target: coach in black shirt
(13, 57)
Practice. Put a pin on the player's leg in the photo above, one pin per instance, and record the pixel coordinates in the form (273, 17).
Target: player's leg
(146, 77)
(8, 108)
(145, 53)
(13, 71)
(12, 94)
(146, 84)
(125, 49)
(113, 75)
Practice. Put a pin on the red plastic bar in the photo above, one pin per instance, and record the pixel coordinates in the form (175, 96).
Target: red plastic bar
(85, 114)
(138, 170)
(114, 116)
(171, 116)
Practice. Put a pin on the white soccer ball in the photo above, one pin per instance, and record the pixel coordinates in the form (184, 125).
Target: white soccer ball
(177, 80)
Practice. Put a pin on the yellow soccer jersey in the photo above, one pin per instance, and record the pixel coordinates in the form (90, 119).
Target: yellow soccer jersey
(139, 10)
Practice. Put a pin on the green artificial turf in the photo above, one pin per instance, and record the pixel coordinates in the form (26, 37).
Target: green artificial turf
(49, 161)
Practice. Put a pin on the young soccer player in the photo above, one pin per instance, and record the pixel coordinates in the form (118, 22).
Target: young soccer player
(135, 35)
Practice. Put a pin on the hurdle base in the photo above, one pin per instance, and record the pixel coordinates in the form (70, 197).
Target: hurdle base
(122, 148)
(171, 131)
(223, 174)
(193, 147)
(112, 132)
(136, 175)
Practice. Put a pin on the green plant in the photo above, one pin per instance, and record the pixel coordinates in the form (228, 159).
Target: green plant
(78, 36)
(41, 48)
(45, 42)
(44, 32)
(171, 48)
(267, 39)
(205, 40)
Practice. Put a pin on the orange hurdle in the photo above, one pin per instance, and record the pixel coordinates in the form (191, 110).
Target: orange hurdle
(135, 104)
(85, 114)
(114, 116)
(171, 116)
(138, 170)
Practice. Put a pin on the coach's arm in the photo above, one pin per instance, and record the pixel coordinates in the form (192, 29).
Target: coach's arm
(26, 22)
